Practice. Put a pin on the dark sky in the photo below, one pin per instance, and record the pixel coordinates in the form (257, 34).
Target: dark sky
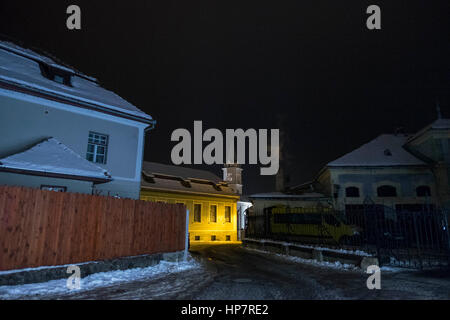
(248, 63)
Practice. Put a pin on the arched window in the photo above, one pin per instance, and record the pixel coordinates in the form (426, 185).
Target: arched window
(352, 192)
(423, 191)
(386, 191)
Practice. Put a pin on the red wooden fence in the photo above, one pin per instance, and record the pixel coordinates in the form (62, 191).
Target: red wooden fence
(43, 228)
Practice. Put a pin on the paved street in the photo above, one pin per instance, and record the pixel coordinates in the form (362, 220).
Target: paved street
(232, 272)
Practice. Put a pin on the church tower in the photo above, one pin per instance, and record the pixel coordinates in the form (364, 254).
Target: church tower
(232, 173)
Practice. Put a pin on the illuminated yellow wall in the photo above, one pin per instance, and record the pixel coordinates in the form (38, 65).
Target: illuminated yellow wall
(206, 228)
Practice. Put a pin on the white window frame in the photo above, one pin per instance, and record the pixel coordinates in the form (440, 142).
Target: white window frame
(97, 145)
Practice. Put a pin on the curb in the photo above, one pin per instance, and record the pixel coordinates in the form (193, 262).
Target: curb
(44, 274)
(311, 253)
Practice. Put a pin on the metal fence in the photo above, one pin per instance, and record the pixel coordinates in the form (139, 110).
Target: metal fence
(410, 236)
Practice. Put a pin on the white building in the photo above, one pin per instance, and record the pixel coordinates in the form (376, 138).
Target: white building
(59, 129)
(403, 171)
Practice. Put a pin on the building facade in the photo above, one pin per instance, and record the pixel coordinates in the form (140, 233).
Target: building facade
(401, 171)
(41, 99)
(212, 204)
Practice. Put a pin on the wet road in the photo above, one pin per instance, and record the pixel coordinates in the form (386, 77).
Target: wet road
(232, 272)
(249, 274)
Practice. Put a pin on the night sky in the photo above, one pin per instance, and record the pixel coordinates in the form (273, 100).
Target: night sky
(310, 68)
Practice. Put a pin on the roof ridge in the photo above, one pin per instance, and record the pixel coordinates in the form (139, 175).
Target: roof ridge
(182, 168)
(372, 153)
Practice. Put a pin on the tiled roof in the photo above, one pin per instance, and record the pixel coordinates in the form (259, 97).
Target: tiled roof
(181, 179)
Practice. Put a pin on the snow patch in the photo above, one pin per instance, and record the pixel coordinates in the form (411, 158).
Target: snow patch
(52, 156)
(97, 280)
(326, 264)
(355, 252)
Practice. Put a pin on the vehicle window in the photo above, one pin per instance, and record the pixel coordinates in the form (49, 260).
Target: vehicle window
(331, 220)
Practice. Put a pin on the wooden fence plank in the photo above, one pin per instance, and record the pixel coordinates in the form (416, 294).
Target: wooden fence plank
(52, 228)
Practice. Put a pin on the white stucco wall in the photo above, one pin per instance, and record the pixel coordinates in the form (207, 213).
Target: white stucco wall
(26, 120)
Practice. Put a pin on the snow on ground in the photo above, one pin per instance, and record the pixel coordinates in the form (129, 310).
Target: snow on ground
(325, 264)
(93, 281)
(356, 252)
(333, 265)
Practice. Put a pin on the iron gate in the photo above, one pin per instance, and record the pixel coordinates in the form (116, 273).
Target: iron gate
(408, 236)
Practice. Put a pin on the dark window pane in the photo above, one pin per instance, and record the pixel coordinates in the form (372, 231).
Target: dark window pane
(227, 214)
(213, 213)
(387, 191)
(91, 148)
(423, 191)
(352, 192)
(197, 213)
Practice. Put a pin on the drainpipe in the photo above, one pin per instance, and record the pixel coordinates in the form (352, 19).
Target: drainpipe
(186, 238)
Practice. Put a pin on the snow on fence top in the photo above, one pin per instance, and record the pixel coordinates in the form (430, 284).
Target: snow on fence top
(22, 67)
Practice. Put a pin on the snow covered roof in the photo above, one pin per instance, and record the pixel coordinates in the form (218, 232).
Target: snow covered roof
(385, 150)
(439, 124)
(172, 178)
(22, 67)
(179, 171)
(51, 157)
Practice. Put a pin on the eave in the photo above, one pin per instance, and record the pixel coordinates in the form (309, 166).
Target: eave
(207, 194)
(95, 180)
(70, 101)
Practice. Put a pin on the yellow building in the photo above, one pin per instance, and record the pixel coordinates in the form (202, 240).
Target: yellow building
(210, 201)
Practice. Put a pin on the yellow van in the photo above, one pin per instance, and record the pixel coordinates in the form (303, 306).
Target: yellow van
(314, 224)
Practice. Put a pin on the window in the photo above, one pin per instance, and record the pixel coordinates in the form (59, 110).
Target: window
(352, 192)
(97, 147)
(197, 238)
(423, 191)
(58, 78)
(213, 213)
(56, 74)
(197, 212)
(386, 191)
(228, 238)
(227, 214)
(213, 238)
(54, 188)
